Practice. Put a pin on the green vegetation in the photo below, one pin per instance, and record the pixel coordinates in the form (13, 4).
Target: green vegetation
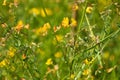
(59, 39)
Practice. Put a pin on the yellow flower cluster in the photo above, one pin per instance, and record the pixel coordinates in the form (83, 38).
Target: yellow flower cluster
(86, 72)
(43, 12)
(43, 30)
(75, 7)
(72, 76)
(86, 61)
(58, 54)
(66, 22)
(11, 52)
(59, 38)
(49, 61)
(19, 25)
(73, 22)
(89, 9)
(4, 3)
(3, 62)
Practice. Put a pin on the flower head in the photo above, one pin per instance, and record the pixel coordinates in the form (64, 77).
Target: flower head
(44, 12)
(89, 9)
(86, 72)
(11, 52)
(43, 30)
(4, 3)
(58, 54)
(75, 7)
(65, 22)
(3, 63)
(19, 25)
(49, 61)
(34, 11)
(72, 76)
(73, 22)
(59, 38)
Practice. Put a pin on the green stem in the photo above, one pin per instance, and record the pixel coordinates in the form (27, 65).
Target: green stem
(89, 26)
(83, 15)
(108, 37)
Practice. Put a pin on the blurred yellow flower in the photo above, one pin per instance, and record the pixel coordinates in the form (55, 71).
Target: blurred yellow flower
(35, 11)
(49, 61)
(43, 30)
(24, 56)
(86, 61)
(65, 22)
(89, 9)
(86, 72)
(56, 28)
(59, 38)
(44, 12)
(47, 25)
(72, 76)
(4, 2)
(41, 11)
(3, 63)
(11, 52)
(19, 25)
(75, 7)
(58, 54)
(73, 22)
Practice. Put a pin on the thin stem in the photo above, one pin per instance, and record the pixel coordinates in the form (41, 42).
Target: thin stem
(89, 26)
(83, 15)
(108, 37)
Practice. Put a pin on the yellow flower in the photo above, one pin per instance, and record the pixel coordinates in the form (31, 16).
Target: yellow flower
(48, 11)
(11, 52)
(3, 63)
(24, 56)
(43, 30)
(58, 54)
(56, 28)
(19, 25)
(75, 7)
(89, 9)
(59, 38)
(65, 22)
(49, 61)
(72, 76)
(41, 11)
(44, 12)
(47, 25)
(34, 11)
(86, 72)
(73, 22)
(86, 61)
(4, 2)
